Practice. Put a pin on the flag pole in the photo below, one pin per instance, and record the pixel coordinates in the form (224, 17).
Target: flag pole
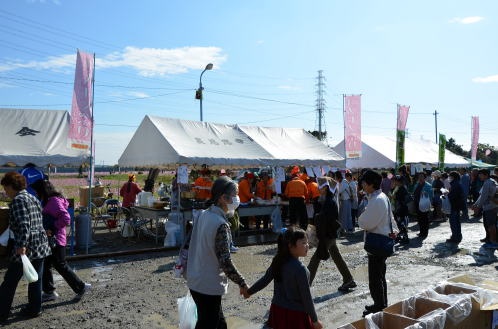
(397, 120)
(344, 131)
(90, 181)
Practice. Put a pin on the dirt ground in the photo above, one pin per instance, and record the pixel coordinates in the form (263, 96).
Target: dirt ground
(139, 291)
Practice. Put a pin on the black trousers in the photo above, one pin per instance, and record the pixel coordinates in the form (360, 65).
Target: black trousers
(58, 261)
(377, 280)
(298, 213)
(423, 223)
(209, 311)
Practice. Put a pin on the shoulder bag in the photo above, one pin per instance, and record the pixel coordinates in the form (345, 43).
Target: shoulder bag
(379, 244)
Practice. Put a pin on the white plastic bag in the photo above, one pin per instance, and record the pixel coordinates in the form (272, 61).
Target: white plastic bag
(127, 231)
(187, 312)
(30, 273)
(424, 204)
(445, 205)
(276, 220)
(4, 237)
(311, 234)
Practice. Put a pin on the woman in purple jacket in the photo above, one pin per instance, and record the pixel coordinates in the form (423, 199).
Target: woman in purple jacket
(55, 220)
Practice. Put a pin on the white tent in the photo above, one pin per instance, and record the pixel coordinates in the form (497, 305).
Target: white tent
(164, 141)
(380, 152)
(37, 136)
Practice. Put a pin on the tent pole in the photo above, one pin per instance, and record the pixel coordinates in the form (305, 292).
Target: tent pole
(90, 181)
(344, 131)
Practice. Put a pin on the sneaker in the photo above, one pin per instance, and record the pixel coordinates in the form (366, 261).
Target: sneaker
(50, 296)
(346, 286)
(490, 245)
(29, 314)
(451, 240)
(234, 249)
(86, 288)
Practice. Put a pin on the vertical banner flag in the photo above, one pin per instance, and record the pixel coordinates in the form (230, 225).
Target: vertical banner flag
(352, 126)
(442, 150)
(402, 116)
(475, 138)
(80, 130)
(400, 147)
(400, 133)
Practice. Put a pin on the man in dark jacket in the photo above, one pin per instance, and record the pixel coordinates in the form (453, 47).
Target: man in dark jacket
(327, 225)
(457, 201)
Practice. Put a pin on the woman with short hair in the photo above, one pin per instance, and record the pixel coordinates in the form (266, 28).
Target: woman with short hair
(30, 239)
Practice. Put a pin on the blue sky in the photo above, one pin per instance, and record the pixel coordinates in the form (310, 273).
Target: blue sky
(431, 55)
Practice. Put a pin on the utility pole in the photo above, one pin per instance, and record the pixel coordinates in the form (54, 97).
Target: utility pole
(435, 122)
(320, 103)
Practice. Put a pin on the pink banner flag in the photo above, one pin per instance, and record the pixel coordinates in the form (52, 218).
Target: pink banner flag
(80, 130)
(475, 137)
(402, 116)
(352, 126)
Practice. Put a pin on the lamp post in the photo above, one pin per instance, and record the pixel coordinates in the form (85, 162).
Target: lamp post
(198, 94)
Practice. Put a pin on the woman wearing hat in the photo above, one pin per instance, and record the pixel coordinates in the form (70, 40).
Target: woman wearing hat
(129, 191)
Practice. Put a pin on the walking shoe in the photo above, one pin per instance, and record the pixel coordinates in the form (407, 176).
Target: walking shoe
(346, 286)
(86, 288)
(29, 314)
(234, 249)
(490, 245)
(49, 296)
(450, 240)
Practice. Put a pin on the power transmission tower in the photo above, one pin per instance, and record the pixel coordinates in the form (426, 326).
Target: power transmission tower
(320, 105)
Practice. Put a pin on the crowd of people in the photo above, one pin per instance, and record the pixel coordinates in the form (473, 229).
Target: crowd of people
(378, 203)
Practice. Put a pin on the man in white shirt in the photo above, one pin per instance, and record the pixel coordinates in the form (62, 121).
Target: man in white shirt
(345, 201)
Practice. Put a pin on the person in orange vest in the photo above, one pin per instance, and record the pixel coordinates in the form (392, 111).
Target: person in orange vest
(313, 195)
(245, 189)
(245, 196)
(264, 191)
(297, 192)
(203, 184)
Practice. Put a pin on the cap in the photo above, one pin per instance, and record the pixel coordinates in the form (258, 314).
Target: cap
(249, 175)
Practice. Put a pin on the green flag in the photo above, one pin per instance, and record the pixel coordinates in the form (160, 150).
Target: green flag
(442, 148)
(400, 147)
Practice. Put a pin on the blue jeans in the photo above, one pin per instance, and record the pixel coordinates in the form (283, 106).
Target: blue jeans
(9, 285)
(456, 228)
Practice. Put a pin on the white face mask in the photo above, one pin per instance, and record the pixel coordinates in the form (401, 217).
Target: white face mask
(234, 205)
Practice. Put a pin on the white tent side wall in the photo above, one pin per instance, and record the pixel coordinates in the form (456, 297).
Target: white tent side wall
(37, 136)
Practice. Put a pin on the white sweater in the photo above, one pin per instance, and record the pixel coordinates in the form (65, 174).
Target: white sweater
(376, 216)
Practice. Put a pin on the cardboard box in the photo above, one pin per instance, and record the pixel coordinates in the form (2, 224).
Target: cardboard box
(418, 307)
(477, 319)
(383, 320)
(97, 192)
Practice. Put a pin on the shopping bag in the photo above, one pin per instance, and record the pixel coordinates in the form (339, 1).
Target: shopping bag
(310, 210)
(180, 268)
(276, 221)
(311, 234)
(187, 312)
(424, 204)
(445, 205)
(29, 271)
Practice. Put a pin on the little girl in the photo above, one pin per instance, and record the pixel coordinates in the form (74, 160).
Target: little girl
(292, 305)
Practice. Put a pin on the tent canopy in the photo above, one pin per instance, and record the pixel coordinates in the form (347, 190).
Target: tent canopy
(37, 136)
(380, 152)
(164, 141)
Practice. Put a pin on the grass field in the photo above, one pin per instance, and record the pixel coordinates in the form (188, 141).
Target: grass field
(68, 184)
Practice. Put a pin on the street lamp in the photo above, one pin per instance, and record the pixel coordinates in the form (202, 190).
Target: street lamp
(198, 93)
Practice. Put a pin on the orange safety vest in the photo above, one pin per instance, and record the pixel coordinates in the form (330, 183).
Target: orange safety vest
(296, 188)
(245, 194)
(264, 191)
(203, 194)
(313, 191)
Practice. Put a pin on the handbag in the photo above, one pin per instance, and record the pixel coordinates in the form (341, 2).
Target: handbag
(379, 244)
(180, 268)
(29, 271)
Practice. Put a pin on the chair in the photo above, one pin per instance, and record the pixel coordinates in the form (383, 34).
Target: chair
(138, 223)
(108, 212)
(99, 214)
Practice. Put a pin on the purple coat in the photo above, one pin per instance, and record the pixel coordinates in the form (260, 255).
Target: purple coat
(57, 208)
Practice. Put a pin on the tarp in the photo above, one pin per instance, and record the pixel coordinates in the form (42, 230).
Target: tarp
(37, 136)
(380, 152)
(162, 141)
(479, 164)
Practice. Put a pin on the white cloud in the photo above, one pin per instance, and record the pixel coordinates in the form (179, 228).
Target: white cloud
(288, 87)
(138, 94)
(146, 61)
(488, 79)
(467, 20)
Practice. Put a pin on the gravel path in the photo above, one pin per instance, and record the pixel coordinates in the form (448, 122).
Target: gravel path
(139, 291)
